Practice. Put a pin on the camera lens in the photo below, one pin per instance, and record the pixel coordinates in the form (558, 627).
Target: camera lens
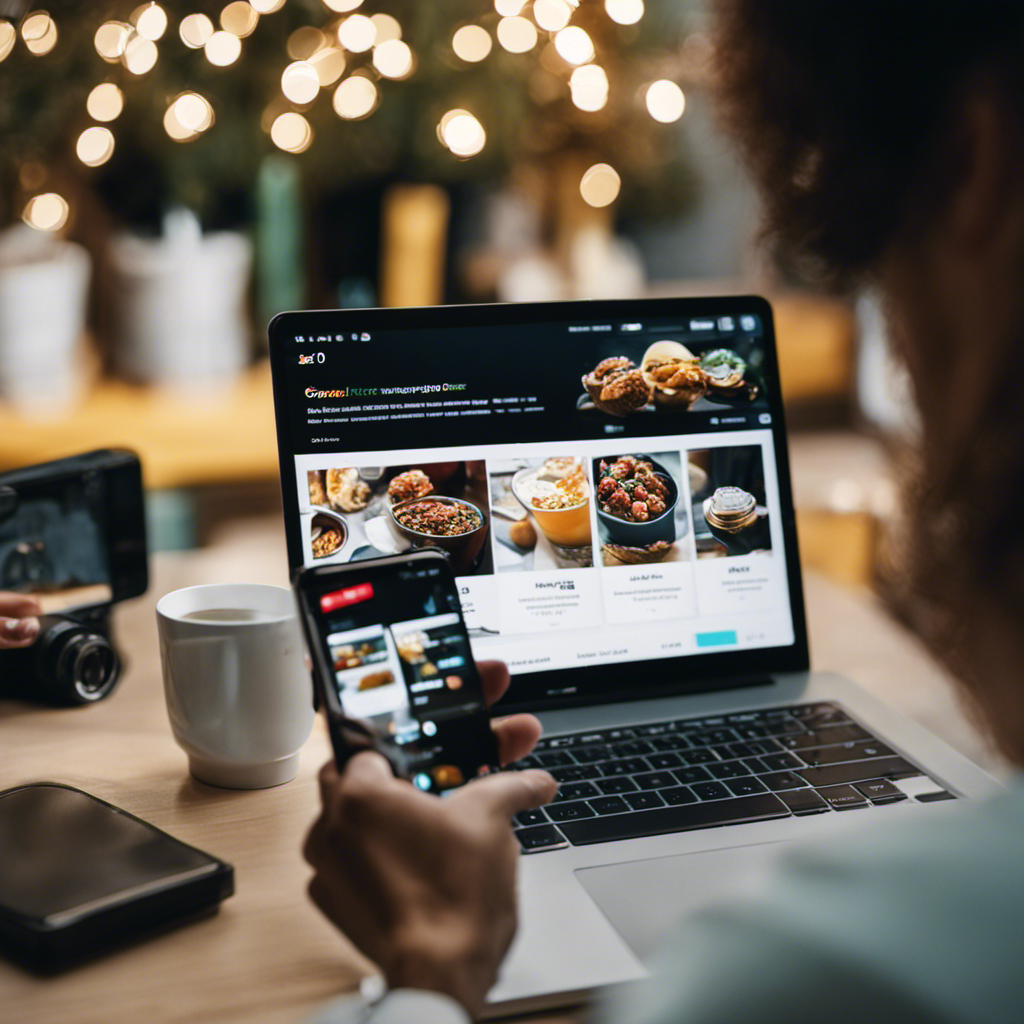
(94, 668)
(75, 664)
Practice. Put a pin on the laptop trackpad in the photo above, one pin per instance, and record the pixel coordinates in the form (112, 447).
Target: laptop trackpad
(645, 899)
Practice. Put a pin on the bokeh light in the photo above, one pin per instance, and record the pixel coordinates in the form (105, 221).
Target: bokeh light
(463, 134)
(175, 129)
(195, 30)
(393, 59)
(342, 6)
(387, 27)
(589, 85)
(357, 33)
(291, 132)
(239, 18)
(329, 64)
(300, 82)
(509, 8)
(140, 55)
(625, 12)
(665, 101)
(150, 21)
(47, 212)
(223, 48)
(305, 41)
(193, 112)
(39, 31)
(105, 102)
(95, 146)
(356, 97)
(266, 6)
(517, 35)
(471, 43)
(551, 15)
(111, 39)
(574, 45)
(8, 36)
(600, 185)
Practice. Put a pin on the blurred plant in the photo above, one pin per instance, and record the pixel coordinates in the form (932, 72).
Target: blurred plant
(154, 105)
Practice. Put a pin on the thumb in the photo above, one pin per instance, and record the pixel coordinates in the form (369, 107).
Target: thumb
(508, 792)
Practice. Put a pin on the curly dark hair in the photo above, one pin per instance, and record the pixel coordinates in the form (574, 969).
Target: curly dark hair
(843, 110)
(848, 115)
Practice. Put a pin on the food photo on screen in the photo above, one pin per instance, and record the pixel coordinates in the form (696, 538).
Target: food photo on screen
(541, 512)
(641, 509)
(729, 508)
(355, 513)
(669, 376)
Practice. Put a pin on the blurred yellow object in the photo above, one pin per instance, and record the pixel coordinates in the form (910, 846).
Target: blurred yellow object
(840, 545)
(184, 440)
(414, 231)
(816, 346)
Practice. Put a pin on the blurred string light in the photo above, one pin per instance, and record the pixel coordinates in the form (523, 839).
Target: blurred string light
(387, 28)
(342, 6)
(574, 45)
(111, 39)
(304, 42)
(95, 146)
(195, 30)
(329, 64)
(357, 33)
(462, 133)
(105, 102)
(600, 185)
(39, 31)
(150, 21)
(665, 101)
(223, 48)
(239, 18)
(46, 212)
(140, 55)
(291, 132)
(8, 37)
(625, 12)
(551, 15)
(589, 87)
(509, 8)
(266, 6)
(517, 35)
(193, 112)
(471, 43)
(393, 59)
(355, 98)
(300, 82)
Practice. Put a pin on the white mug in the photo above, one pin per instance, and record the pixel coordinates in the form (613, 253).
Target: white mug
(238, 691)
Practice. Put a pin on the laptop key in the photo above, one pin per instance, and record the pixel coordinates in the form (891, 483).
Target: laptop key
(745, 786)
(782, 780)
(755, 765)
(880, 791)
(609, 804)
(710, 790)
(662, 820)
(570, 812)
(627, 766)
(728, 769)
(818, 756)
(696, 757)
(575, 773)
(751, 732)
(655, 780)
(589, 755)
(616, 784)
(575, 791)
(532, 817)
(688, 776)
(678, 795)
(670, 742)
(541, 837)
(803, 801)
(631, 748)
(664, 760)
(859, 771)
(555, 759)
(824, 737)
(781, 762)
(643, 801)
(843, 798)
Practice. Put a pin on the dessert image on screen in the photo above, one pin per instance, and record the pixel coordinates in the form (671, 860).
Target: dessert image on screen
(729, 509)
(641, 513)
(542, 513)
(364, 512)
(670, 376)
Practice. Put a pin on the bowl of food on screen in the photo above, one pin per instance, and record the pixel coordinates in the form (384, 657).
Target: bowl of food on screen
(342, 490)
(557, 495)
(327, 533)
(636, 500)
(454, 525)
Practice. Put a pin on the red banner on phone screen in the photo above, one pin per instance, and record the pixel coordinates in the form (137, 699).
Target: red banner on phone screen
(341, 598)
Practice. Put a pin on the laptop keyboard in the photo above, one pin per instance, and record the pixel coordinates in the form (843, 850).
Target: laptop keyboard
(691, 773)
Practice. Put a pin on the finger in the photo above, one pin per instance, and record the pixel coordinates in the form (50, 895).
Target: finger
(19, 606)
(517, 736)
(328, 779)
(495, 678)
(505, 794)
(18, 632)
(368, 769)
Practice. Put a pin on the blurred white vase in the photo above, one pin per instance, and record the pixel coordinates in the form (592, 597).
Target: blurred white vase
(44, 285)
(180, 304)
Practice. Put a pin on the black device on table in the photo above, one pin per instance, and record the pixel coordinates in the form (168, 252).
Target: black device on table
(393, 667)
(72, 534)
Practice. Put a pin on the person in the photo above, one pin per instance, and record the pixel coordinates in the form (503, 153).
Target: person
(19, 625)
(888, 142)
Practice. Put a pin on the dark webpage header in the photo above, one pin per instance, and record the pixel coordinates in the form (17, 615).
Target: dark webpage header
(515, 383)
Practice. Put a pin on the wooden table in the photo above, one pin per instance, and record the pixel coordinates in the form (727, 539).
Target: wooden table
(268, 956)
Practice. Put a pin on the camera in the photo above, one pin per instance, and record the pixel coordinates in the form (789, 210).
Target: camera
(72, 534)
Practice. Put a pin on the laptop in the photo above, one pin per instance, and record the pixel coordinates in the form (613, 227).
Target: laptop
(639, 574)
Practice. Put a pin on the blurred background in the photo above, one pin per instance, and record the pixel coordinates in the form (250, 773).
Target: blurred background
(172, 174)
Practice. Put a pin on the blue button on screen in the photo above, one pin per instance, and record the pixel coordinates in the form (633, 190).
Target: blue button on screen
(722, 638)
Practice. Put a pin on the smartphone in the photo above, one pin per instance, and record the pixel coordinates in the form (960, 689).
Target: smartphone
(394, 669)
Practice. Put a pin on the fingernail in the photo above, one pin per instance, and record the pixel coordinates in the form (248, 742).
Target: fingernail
(23, 629)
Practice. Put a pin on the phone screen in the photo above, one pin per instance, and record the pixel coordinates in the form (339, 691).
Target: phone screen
(394, 662)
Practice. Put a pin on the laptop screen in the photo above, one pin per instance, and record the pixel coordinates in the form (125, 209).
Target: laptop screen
(609, 480)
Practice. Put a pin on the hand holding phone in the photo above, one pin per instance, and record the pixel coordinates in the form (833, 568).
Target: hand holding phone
(394, 669)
